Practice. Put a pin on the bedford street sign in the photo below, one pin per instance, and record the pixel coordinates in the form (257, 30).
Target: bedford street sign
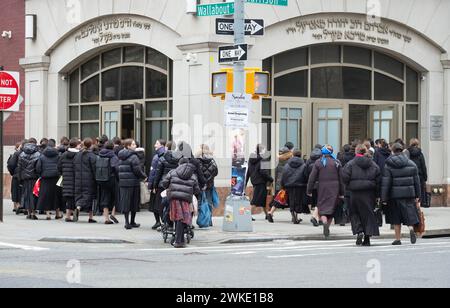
(252, 26)
(233, 53)
(214, 9)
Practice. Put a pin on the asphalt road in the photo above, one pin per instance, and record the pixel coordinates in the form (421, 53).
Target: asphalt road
(280, 264)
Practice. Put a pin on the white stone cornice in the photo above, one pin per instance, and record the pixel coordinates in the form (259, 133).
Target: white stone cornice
(35, 63)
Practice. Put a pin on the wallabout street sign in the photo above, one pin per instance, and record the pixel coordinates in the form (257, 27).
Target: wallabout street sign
(270, 2)
(225, 26)
(9, 89)
(214, 9)
(233, 53)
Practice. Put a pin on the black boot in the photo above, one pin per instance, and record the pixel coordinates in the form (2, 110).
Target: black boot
(366, 242)
(127, 221)
(359, 239)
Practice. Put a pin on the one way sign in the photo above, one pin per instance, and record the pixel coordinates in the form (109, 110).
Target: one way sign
(233, 53)
(252, 26)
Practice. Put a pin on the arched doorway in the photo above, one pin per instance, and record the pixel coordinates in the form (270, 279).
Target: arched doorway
(125, 92)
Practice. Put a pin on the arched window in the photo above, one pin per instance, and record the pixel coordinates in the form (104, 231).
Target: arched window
(127, 75)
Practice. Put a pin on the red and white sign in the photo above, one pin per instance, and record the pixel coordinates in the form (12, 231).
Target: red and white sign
(9, 90)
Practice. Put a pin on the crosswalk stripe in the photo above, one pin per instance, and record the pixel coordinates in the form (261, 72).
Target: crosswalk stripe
(23, 247)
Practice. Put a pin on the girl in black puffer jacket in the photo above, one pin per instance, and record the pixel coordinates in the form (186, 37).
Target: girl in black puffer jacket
(362, 178)
(182, 185)
(47, 168)
(130, 177)
(416, 155)
(28, 176)
(294, 181)
(400, 189)
(67, 170)
(85, 185)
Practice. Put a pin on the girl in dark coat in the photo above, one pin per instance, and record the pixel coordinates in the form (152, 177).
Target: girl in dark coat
(284, 156)
(160, 150)
(16, 188)
(382, 152)
(182, 185)
(85, 184)
(28, 176)
(294, 181)
(47, 169)
(416, 155)
(327, 172)
(130, 177)
(67, 170)
(400, 192)
(209, 170)
(362, 178)
(107, 190)
(316, 154)
(260, 176)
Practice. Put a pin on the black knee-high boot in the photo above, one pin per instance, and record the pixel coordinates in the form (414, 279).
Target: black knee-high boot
(127, 220)
(133, 220)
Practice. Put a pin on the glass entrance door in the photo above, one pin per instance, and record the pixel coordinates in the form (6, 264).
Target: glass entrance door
(294, 120)
(383, 122)
(331, 125)
(123, 121)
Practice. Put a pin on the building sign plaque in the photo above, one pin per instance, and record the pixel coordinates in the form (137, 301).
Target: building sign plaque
(436, 128)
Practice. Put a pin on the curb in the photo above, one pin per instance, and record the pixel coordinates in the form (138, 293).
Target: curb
(318, 237)
(83, 240)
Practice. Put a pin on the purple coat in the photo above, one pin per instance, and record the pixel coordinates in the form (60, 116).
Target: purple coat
(330, 185)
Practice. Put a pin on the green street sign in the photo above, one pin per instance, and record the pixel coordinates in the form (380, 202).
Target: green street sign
(214, 9)
(270, 2)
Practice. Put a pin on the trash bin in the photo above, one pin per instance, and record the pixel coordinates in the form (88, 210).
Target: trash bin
(238, 214)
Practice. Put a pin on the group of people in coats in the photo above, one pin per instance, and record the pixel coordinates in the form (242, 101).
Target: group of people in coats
(365, 178)
(108, 175)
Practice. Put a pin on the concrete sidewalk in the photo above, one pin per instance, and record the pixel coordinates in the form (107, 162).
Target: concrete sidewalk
(17, 228)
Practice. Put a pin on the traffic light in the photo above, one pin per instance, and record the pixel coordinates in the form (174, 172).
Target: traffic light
(222, 82)
(258, 83)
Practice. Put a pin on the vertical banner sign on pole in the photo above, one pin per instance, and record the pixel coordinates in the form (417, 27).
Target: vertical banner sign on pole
(9, 96)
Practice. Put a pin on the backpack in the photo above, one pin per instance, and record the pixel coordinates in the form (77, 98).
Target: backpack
(103, 170)
(11, 164)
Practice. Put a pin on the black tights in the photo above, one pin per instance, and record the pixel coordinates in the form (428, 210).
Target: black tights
(127, 218)
(157, 217)
(179, 230)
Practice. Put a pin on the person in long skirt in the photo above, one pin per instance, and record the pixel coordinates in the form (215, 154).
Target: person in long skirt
(293, 180)
(85, 184)
(182, 185)
(160, 150)
(327, 173)
(47, 169)
(418, 158)
(107, 189)
(130, 176)
(28, 176)
(16, 188)
(362, 178)
(316, 154)
(259, 174)
(67, 170)
(400, 193)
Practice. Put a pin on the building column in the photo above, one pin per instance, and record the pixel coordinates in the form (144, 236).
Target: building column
(36, 93)
(446, 66)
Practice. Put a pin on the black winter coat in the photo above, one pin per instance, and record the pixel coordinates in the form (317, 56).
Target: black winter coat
(257, 173)
(27, 162)
(13, 163)
(362, 174)
(209, 169)
(182, 183)
(114, 161)
(316, 154)
(130, 172)
(380, 157)
(66, 168)
(294, 174)
(346, 157)
(141, 155)
(85, 184)
(169, 161)
(418, 158)
(47, 164)
(400, 179)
